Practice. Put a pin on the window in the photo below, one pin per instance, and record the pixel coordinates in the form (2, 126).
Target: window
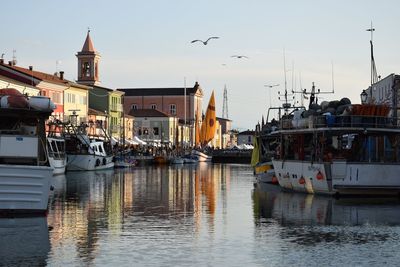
(86, 69)
(249, 139)
(155, 130)
(134, 106)
(56, 97)
(70, 98)
(153, 106)
(172, 109)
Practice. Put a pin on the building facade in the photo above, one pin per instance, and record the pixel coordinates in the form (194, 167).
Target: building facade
(180, 102)
(154, 126)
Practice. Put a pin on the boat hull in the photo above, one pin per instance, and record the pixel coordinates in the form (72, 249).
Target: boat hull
(290, 172)
(24, 189)
(58, 165)
(338, 177)
(366, 178)
(202, 157)
(84, 162)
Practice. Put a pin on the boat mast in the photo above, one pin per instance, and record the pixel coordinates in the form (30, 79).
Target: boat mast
(374, 75)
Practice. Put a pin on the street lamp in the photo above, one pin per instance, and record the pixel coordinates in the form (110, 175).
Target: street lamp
(364, 97)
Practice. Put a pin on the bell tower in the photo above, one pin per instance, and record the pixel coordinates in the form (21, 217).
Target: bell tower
(88, 63)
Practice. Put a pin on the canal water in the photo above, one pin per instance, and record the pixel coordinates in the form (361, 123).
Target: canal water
(198, 215)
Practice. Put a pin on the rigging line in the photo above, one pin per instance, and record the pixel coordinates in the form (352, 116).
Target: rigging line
(90, 92)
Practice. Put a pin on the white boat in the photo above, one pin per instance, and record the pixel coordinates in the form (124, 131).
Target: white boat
(56, 154)
(177, 160)
(25, 172)
(354, 152)
(85, 153)
(189, 159)
(202, 157)
(124, 162)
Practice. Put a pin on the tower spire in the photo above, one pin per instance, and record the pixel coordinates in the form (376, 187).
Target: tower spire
(88, 63)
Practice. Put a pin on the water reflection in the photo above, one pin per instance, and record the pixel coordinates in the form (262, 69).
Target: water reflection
(85, 205)
(311, 219)
(304, 209)
(24, 241)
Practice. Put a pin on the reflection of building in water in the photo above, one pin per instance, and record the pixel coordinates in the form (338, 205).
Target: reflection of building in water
(85, 204)
(303, 209)
(24, 241)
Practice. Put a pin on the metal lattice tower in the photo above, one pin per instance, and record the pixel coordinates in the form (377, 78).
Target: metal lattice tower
(225, 104)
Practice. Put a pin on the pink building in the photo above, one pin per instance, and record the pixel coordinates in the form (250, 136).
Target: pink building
(170, 101)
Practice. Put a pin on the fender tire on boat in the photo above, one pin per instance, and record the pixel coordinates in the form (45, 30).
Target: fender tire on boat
(104, 161)
(97, 162)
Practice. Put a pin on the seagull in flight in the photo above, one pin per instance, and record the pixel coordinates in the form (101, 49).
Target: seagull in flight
(205, 43)
(239, 56)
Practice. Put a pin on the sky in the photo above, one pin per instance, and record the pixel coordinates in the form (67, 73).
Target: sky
(148, 44)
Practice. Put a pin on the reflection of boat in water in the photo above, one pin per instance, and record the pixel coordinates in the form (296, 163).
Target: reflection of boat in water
(24, 241)
(305, 209)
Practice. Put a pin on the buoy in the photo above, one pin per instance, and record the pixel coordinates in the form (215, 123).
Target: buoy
(302, 180)
(320, 176)
(274, 180)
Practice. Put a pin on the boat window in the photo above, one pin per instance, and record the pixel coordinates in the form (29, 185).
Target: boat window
(100, 149)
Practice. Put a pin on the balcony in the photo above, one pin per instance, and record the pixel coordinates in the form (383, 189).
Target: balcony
(116, 107)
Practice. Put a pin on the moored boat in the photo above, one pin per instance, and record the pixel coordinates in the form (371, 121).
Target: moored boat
(25, 172)
(56, 154)
(348, 153)
(201, 156)
(85, 153)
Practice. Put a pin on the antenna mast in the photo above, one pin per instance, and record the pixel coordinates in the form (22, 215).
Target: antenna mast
(225, 114)
(374, 75)
(14, 58)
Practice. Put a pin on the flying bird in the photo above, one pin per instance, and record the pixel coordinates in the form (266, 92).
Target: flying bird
(205, 43)
(239, 56)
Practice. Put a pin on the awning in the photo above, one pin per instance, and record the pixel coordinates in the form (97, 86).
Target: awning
(139, 141)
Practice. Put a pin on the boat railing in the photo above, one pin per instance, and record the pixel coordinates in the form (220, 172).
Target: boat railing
(348, 121)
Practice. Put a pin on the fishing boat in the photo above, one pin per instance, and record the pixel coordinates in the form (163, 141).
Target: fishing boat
(25, 171)
(56, 147)
(56, 153)
(207, 132)
(87, 153)
(337, 148)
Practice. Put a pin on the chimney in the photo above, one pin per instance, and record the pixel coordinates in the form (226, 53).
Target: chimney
(61, 75)
(9, 63)
(31, 68)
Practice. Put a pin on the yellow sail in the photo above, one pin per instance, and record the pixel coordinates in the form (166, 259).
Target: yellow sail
(255, 156)
(208, 126)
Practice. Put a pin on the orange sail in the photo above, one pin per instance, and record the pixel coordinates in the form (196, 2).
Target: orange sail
(208, 126)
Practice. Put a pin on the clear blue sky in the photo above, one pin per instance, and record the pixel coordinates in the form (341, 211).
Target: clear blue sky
(147, 44)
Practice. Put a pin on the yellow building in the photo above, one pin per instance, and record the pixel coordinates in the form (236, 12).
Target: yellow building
(76, 101)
